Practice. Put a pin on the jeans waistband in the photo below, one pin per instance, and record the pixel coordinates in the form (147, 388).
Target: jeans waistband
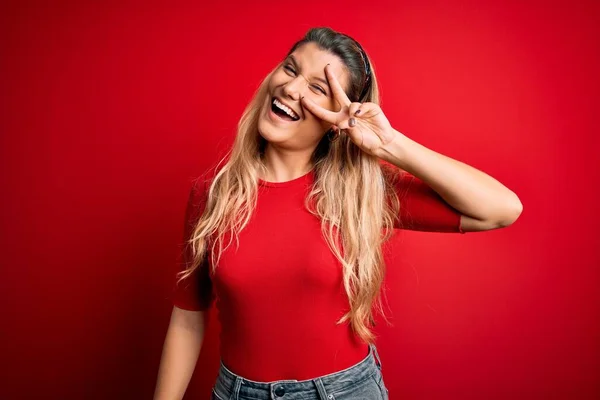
(318, 386)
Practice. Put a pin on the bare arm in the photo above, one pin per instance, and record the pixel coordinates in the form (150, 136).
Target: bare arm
(180, 353)
(484, 202)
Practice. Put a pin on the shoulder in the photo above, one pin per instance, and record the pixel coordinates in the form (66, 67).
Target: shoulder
(201, 184)
(395, 177)
(399, 177)
(198, 194)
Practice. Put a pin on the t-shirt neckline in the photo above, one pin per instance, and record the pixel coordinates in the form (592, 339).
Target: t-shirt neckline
(294, 182)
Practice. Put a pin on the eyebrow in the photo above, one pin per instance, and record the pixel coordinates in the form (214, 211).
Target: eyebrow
(316, 77)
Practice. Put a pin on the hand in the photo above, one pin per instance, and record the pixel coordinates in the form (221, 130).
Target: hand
(365, 123)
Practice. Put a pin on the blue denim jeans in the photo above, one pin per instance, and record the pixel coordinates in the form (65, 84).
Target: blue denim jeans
(361, 381)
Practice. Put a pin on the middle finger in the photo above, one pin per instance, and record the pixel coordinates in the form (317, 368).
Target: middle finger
(336, 88)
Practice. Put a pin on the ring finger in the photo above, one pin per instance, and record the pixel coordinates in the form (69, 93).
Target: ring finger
(353, 108)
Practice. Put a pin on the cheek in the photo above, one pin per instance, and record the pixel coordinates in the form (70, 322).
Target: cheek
(326, 102)
(323, 102)
(332, 105)
(278, 79)
(314, 124)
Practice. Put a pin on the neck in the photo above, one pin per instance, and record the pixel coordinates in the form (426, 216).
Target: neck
(285, 165)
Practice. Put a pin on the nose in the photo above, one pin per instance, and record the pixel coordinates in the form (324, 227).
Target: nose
(294, 88)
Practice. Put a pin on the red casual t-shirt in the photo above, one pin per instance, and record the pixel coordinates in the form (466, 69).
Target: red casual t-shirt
(280, 293)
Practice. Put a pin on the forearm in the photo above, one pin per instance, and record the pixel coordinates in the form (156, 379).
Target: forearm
(467, 189)
(180, 353)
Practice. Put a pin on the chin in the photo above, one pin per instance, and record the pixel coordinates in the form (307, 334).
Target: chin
(271, 133)
(271, 130)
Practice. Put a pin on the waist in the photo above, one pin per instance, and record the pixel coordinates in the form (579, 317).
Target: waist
(229, 381)
(278, 359)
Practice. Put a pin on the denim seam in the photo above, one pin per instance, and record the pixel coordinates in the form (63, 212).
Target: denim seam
(384, 390)
(216, 394)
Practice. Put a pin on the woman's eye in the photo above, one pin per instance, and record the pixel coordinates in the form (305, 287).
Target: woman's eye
(291, 70)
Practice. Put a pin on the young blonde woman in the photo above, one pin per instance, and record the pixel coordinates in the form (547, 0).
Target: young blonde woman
(287, 234)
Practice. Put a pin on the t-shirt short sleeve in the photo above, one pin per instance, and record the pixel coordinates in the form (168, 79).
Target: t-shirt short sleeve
(423, 209)
(194, 293)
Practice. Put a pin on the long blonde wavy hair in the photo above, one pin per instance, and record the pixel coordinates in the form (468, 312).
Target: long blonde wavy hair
(353, 193)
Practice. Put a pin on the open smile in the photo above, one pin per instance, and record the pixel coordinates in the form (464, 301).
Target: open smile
(282, 111)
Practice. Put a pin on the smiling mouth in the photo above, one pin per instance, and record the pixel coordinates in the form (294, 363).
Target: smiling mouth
(282, 111)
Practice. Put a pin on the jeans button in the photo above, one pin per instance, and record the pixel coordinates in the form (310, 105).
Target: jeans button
(280, 391)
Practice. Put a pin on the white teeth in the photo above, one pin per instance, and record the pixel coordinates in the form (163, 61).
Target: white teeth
(285, 108)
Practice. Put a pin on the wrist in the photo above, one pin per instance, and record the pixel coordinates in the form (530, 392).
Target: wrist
(394, 151)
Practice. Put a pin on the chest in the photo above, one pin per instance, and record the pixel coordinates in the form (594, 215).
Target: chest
(280, 251)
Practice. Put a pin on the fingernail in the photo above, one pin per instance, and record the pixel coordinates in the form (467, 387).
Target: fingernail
(352, 122)
(357, 112)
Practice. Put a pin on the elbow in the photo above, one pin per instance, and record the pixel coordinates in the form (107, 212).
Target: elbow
(512, 213)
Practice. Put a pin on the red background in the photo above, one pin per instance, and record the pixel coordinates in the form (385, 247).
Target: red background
(110, 109)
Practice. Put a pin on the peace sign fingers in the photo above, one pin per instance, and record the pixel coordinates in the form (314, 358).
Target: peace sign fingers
(333, 117)
(321, 113)
(336, 88)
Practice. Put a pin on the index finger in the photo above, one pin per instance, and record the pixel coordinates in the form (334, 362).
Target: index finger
(336, 88)
(319, 111)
